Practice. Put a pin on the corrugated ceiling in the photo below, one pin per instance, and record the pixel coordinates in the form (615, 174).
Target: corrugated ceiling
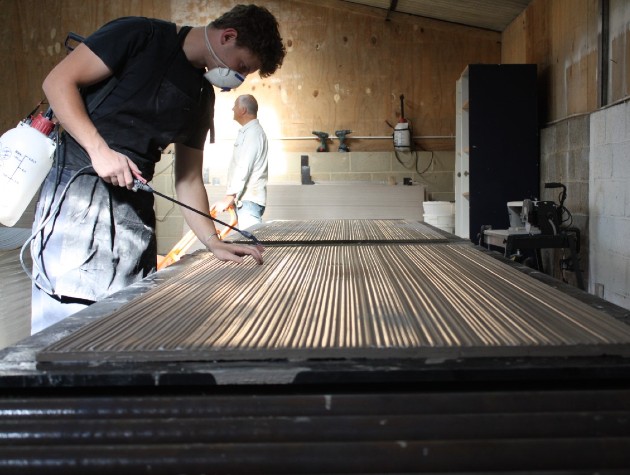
(493, 15)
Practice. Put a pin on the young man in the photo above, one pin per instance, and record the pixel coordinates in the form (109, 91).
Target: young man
(247, 173)
(132, 88)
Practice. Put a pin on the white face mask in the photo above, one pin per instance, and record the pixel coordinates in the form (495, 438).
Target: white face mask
(223, 77)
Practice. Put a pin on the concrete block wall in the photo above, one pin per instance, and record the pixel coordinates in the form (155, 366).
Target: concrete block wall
(285, 167)
(609, 204)
(170, 221)
(565, 158)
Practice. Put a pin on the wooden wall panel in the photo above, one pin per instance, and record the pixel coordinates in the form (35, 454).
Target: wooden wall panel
(573, 58)
(346, 66)
(514, 44)
(562, 38)
(527, 40)
(619, 64)
(31, 42)
(25, 52)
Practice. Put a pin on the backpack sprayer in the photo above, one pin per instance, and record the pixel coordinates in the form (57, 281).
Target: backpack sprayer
(26, 157)
(402, 130)
(403, 140)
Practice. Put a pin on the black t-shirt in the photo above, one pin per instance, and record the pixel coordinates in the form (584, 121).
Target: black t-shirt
(159, 97)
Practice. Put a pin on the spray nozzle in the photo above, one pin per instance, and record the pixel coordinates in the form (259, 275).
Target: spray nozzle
(141, 185)
(248, 235)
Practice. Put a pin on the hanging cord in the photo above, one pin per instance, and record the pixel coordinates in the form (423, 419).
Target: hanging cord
(51, 213)
(414, 151)
(54, 210)
(565, 214)
(416, 161)
(427, 167)
(141, 184)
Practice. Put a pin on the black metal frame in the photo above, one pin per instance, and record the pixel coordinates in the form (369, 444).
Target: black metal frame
(565, 240)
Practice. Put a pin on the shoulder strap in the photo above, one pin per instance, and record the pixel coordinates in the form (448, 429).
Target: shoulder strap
(105, 90)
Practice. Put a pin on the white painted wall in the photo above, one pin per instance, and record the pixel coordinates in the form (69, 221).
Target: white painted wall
(609, 204)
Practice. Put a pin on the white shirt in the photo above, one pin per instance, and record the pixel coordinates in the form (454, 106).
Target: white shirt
(247, 174)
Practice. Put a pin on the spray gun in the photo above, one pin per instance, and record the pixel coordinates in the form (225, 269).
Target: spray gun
(341, 135)
(141, 184)
(323, 137)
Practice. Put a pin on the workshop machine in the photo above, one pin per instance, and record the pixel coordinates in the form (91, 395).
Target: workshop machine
(536, 225)
(546, 217)
(402, 130)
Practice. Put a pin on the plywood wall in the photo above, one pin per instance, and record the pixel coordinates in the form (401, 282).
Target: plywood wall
(32, 38)
(346, 65)
(619, 47)
(563, 38)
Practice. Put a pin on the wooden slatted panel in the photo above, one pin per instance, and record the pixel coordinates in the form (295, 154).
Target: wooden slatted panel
(347, 301)
(357, 230)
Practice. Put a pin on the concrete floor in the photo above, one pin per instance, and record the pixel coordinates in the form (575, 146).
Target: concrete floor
(15, 288)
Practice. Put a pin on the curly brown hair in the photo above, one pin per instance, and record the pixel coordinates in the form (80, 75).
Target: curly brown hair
(257, 31)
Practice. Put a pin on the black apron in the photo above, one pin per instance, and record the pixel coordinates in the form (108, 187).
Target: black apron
(102, 237)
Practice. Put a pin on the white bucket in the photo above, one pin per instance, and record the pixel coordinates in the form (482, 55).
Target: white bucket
(440, 214)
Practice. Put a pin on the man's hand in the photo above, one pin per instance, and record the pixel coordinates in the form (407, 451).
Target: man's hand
(114, 167)
(234, 252)
(190, 190)
(221, 205)
(62, 87)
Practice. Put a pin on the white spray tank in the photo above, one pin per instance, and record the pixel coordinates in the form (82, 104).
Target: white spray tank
(26, 157)
(402, 132)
